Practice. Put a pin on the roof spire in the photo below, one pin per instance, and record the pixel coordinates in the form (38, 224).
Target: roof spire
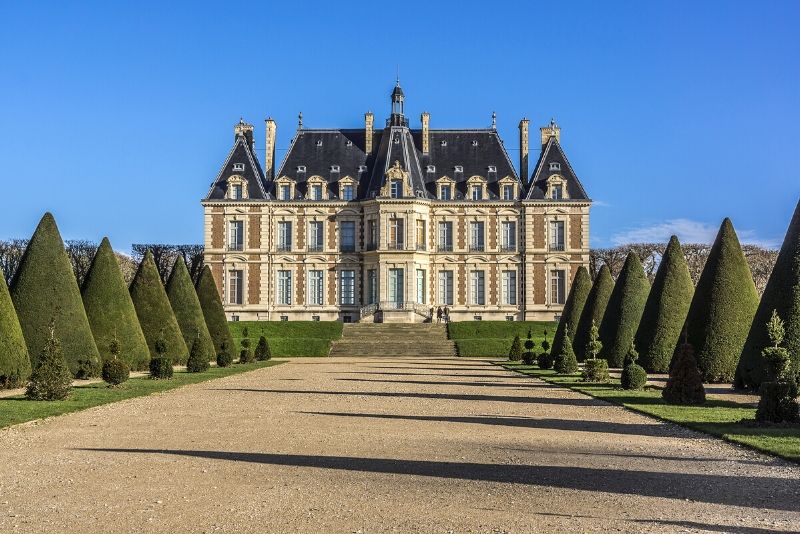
(494, 120)
(300, 121)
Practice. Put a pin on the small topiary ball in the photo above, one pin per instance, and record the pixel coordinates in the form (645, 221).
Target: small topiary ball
(161, 368)
(633, 377)
(115, 372)
(545, 361)
(529, 358)
(246, 356)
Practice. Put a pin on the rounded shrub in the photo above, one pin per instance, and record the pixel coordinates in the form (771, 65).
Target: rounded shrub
(224, 358)
(545, 361)
(51, 378)
(515, 354)
(529, 357)
(633, 377)
(263, 352)
(246, 356)
(685, 384)
(595, 370)
(578, 293)
(115, 372)
(198, 357)
(593, 310)
(160, 368)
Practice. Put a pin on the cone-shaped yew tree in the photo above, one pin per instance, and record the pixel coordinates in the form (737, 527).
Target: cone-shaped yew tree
(186, 307)
(781, 294)
(44, 290)
(624, 311)
(110, 310)
(722, 308)
(155, 313)
(665, 311)
(581, 285)
(15, 364)
(214, 314)
(593, 310)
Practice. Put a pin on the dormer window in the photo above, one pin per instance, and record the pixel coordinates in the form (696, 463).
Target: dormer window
(474, 142)
(238, 166)
(444, 143)
(397, 139)
(459, 168)
(319, 142)
(334, 168)
(446, 192)
(237, 188)
(555, 166)
(431, 168)
(362, 168)
(396, 189)
(508, 192)
(236, 192)
(492, 168)
(301, 168)
(286, 192)
(477, 192)
(347, 192)
(349, 143)
(316, 192)
(558, 192)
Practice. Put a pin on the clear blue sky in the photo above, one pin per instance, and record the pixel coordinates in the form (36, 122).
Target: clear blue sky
(675, 114)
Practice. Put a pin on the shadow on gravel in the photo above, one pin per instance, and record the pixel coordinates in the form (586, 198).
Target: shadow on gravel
(518, 377)
(579, 425)
(630, 455)
(733, 529)
(581, 401)
(748, 491)
(500, 372)
(507, 385)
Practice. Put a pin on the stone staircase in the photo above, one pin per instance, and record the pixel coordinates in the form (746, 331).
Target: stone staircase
(394, 339)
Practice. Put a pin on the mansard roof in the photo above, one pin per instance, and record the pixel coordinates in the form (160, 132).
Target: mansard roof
(242, 154)
(553, 153)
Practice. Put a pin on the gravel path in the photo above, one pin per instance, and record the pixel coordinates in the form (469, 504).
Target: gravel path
(374, 445)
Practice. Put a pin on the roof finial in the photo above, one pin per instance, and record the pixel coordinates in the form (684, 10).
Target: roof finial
(552, 122)
(494, 120)
(300, 121)
(398, 75)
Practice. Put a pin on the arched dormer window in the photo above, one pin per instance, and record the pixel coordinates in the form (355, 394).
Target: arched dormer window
(508, 188)
(445, 188)
(285, 188)
(237, 188)
(476, 188)
(347, 188)
(557, 187)
(317, 188)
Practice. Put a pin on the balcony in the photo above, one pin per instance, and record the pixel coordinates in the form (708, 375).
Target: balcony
(508, 248)
(557, 247)
(396, 245)
(284, 247)
(445, 248)
(422, 246)
(477, 248)
(344, 247)
(235, 247)
(317, 247)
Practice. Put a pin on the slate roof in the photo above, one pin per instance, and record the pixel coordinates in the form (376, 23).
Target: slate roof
(241, 153)
(553, 153)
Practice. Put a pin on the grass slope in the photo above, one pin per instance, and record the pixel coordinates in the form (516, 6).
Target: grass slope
(289, 338)
(494, 338)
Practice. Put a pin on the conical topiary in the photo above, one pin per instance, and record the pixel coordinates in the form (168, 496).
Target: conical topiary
(214, 314)
(186, 307)
(722, 308)
(593, 310)
(198, 357)
(624, 311)
(15, 363)
(263, 352)
(782, 294)
(51, 378)
(44, 289)
(155, 313)
(684, 385)
(565, 361)
(665, 310)
(515, 354)
(110, 310)
(581, 286)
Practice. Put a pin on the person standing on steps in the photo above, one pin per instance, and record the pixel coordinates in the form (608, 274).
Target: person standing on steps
(446, 314)
(438, 315)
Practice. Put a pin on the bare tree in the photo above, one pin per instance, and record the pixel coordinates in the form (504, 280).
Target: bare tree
(761, 262)
(11, 252)
(165, 256)
(81, 253)
(127, 265)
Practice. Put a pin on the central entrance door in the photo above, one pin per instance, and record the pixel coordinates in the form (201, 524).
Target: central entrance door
(396, 288)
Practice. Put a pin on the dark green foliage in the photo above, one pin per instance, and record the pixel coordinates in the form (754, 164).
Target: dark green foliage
(633, 375)
(545, 343)
(155, 313)
(722, 308)
(186, 307)
(110, 310)
(565, 362)
(778, 392)
(515, 354)
(246, 356)
(245, 332)
(545, 361)
(214, 315)
(115, 369)
(595, 370)
(297, 338)
(262, 350)
(578, 293)
(44, 287)
(624, 311)
(529, 357)
(593, 310)
(593, 343)
(665, 310)
(224, 358)
(51, 378)
(782, 293)
(15, 364)
(198, 357)
(160, 368)
(685, 384)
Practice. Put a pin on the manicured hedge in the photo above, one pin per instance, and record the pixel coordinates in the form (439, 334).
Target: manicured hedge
(494, 338)
(15, 364)
(210, 302)
(578, 293)
(188, 313)
(290, 338)
(593, 310)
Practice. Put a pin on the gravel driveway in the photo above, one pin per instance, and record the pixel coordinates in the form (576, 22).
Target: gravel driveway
(374, 445)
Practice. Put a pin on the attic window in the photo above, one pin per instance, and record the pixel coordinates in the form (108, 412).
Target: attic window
(319, 142)
(334, 168)
(459, 168)
(238, 166)
(362, 168)
(397, 140)
(474, 142)
(301, 168)
(349, 143)
(492, 168)
(444, 143)
(431, 168)
(555, 166)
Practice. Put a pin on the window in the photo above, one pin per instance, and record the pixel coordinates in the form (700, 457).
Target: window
(446, 192)
(315, 236)
(421, 238)
(284, 318)
(396, 233)
(476, 235)
(474, 142)
(347, 192)
(492, 168)
(477, 192)
(347, 236)
(555, 166)
(558, 286)
(372, 235)
(372, 286)
(476, 285)
(301, 168)
(236, 191)
(459, 168)
(362, 168)
(235, 286)
(508, 192)
(334, 168)
(443, 143)
(509, 235)
(284, 287)
(316, 192)
(446, 236)
(284, 236)
(235, 318)
(509, 280)
(557, 192)
(238, 166)
(286, 192)
(421, 286)
(557, 236)
(396, 189)
(236, 235)
(315, 289)
(431, 168)
(347, 287)
(446, 288)
(319, 142)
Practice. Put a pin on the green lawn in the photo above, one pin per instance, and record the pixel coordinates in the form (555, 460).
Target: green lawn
(715, 417)
(289, 338)
(493, 338)
(15, 410)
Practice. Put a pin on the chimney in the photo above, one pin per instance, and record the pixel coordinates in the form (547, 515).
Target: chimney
(551, 130)
(242, 128)
(523, 150)
(269, 156)
(369, 120)
(426, 141)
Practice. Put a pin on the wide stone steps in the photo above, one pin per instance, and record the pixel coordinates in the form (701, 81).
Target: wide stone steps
(376, 339)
